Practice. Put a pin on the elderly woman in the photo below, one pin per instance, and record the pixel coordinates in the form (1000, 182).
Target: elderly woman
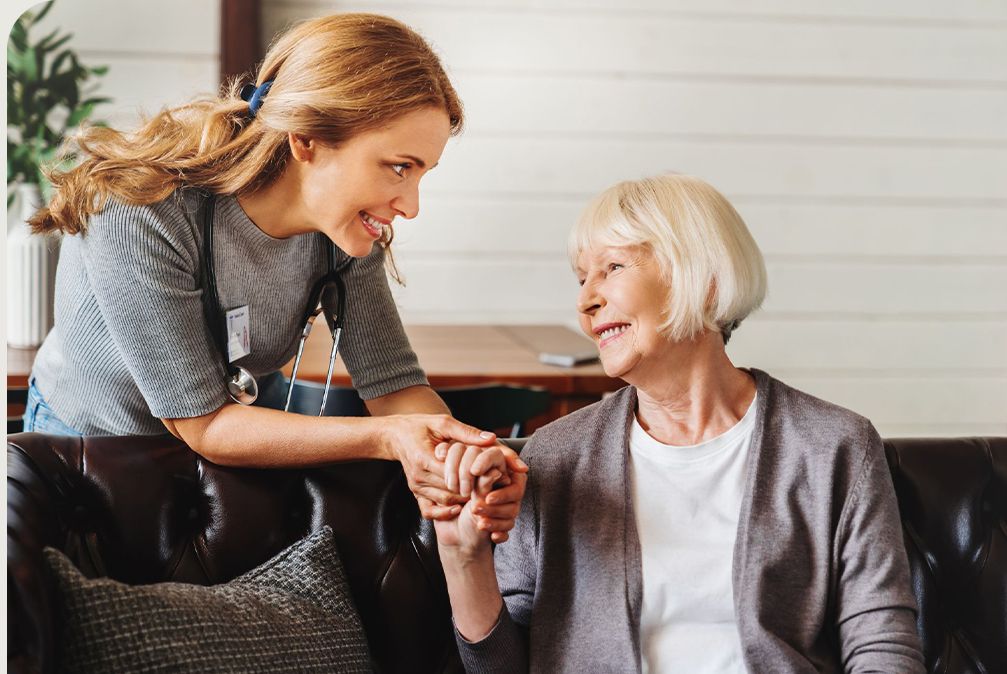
(704, 518)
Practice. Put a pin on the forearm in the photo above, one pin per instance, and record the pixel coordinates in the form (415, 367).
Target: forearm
(257, 437)
(473, 590)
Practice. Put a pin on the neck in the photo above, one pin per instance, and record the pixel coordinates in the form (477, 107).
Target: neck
(277, 209)
(696, 394)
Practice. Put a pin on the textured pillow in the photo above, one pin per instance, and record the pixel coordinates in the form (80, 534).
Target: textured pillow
(293, 613)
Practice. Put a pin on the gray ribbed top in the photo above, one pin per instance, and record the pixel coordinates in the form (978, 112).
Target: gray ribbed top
(131, 346)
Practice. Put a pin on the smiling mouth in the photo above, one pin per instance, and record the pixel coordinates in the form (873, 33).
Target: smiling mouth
(610, 332)
(373, 226)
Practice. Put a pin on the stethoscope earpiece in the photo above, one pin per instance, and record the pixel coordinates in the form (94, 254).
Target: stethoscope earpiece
(242, 387)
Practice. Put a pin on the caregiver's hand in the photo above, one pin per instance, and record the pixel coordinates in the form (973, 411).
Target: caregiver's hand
(411, 440)
(494, 480)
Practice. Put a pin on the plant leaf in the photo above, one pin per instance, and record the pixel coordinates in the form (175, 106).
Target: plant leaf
(59, 43)
(80, 114)
(58, 61)
(28, 65)
(18, 35)
(43, 44)
(41, 15)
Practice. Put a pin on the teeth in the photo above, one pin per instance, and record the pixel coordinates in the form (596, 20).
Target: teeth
(372, 222)
(612, 332)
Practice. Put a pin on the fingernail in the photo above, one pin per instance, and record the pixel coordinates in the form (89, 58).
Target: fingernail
(455, 510)
(486, 434)
(522, 463)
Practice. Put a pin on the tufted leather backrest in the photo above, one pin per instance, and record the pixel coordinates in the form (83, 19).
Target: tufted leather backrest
(953, 501)
(145, 510)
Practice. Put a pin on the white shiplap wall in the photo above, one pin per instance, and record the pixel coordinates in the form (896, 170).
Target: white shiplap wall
(158, 54)
(865, 144)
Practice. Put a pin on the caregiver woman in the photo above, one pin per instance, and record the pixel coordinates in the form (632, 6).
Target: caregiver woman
(705, 518)
(348, 113)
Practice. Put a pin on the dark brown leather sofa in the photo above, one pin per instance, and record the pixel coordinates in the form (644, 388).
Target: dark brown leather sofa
(144, 510)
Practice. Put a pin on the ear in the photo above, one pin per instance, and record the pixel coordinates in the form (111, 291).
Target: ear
(302, 148)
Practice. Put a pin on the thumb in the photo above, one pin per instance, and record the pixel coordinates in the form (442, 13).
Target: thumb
(514, 462)
(469, 435)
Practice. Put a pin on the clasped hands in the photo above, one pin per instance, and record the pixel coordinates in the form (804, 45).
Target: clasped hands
(465, 481)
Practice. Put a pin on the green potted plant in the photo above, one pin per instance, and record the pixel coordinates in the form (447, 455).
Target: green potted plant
(48, 95)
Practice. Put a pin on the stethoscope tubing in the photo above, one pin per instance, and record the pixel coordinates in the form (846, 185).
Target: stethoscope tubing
(241, 384)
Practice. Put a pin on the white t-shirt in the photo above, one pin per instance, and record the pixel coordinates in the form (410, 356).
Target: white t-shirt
(687, 502)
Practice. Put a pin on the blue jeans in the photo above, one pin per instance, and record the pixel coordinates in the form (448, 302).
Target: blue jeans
(39, 417)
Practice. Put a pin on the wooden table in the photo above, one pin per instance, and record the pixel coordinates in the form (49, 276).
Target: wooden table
(458, 355)
(454, 355)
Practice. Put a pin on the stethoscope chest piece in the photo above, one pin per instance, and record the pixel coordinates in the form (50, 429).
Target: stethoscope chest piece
(328, 297)
(242, 387)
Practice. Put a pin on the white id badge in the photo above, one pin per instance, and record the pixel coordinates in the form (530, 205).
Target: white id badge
(238, 341)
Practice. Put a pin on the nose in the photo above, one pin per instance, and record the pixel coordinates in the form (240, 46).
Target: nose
(407, 203)
(589, 300)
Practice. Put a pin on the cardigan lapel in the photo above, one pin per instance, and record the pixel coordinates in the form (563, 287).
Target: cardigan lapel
(632, 556)
(759, 454)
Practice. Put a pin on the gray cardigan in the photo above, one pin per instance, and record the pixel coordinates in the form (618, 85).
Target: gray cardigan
(820, 574)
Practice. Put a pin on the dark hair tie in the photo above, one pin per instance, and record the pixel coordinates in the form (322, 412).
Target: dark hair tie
(255, 95)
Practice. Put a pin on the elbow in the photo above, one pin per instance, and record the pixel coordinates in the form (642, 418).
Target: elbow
(200, 435)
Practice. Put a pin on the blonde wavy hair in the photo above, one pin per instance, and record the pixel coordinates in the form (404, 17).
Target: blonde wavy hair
(712, 266)
(333, 77)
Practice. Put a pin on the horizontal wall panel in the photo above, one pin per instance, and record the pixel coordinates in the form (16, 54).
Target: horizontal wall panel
(980, 12)
(904, 400)
(911, 288)
(185, 27)
(132, 89)
(529, 290)
(863, 346)
(895, 231)
(515, 226)
(599, 107)
(579, 167)
(655, 45)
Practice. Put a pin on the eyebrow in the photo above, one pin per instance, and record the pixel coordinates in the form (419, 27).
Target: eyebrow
(416, 160)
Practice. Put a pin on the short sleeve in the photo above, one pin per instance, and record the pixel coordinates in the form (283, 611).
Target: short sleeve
(143, 267)
(374, 345)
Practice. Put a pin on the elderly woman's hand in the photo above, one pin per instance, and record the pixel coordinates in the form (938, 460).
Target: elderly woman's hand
(485, 476)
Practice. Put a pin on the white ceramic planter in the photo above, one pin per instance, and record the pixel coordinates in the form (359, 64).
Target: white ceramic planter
(31, 275)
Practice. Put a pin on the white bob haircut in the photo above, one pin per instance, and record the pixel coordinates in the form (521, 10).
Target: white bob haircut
(714, 270)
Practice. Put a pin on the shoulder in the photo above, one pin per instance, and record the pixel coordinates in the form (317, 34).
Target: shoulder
(801, 424)
(587, 430)
(801, 409)
(173, 220)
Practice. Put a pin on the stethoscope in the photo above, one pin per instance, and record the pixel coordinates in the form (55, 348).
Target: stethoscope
(327, 297)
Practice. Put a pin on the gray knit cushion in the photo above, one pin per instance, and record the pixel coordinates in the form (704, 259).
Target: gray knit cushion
(293, 613)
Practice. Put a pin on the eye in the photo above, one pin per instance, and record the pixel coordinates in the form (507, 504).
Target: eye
(400, 169)
(613, 266)
(580, 282)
